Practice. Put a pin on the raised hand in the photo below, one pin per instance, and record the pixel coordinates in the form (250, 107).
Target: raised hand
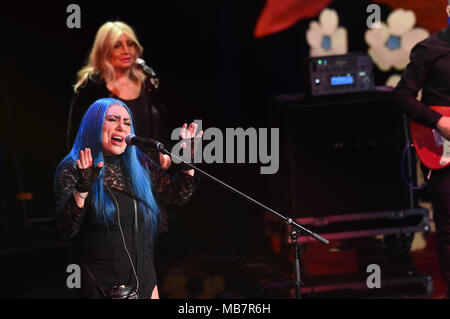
(187, 134)
(88, 173)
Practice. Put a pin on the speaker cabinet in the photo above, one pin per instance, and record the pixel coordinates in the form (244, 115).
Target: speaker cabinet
(342, 155)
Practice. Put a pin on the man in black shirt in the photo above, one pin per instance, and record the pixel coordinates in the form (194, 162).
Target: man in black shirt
(429, 70)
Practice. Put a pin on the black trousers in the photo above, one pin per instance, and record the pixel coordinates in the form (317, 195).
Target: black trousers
(440, 198)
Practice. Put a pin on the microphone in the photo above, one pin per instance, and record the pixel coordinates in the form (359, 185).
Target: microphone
(132, 139)
(149, 70)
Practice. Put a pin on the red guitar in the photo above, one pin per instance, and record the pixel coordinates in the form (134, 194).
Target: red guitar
(432, 148)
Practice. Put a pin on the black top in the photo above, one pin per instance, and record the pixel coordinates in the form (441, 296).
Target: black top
(98, 247)
(429, 70)
(148, 111)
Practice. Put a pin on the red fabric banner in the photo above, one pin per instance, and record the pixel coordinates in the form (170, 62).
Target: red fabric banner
(278, 15)
(430, 14)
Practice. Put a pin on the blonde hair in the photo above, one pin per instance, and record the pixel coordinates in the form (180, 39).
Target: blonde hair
(98, 61)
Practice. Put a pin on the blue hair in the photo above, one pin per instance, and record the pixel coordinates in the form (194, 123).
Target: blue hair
(90, 135)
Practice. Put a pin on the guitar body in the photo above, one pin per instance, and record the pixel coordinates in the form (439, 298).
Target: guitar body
(432, 148)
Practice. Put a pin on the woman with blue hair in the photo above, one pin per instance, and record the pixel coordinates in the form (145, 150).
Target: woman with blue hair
(106, 206)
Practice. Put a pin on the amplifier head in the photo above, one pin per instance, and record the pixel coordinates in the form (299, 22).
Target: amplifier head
(337, 74)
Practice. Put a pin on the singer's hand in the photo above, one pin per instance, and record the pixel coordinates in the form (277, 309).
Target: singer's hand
(85, 160)
(188, 133)
(165, 161)
(88, 174)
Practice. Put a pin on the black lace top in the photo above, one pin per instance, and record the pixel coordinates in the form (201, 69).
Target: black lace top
(107, 252)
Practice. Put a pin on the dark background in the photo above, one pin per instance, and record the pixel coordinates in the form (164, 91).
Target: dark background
(210, 67)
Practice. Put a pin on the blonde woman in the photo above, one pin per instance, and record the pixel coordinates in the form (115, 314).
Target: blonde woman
(111, 71)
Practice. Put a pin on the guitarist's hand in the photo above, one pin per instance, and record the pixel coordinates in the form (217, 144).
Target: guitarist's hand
(444, 126)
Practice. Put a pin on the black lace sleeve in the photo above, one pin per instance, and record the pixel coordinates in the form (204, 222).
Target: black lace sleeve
(68, 216)
(174, 189)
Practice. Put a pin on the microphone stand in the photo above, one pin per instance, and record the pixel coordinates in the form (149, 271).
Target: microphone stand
(295, 228)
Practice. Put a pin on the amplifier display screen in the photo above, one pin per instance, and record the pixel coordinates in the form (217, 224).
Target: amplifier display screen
(339, 74)
(342, 80)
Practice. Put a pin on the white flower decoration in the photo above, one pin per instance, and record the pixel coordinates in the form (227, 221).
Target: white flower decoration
(325, 37)
(390, 44)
